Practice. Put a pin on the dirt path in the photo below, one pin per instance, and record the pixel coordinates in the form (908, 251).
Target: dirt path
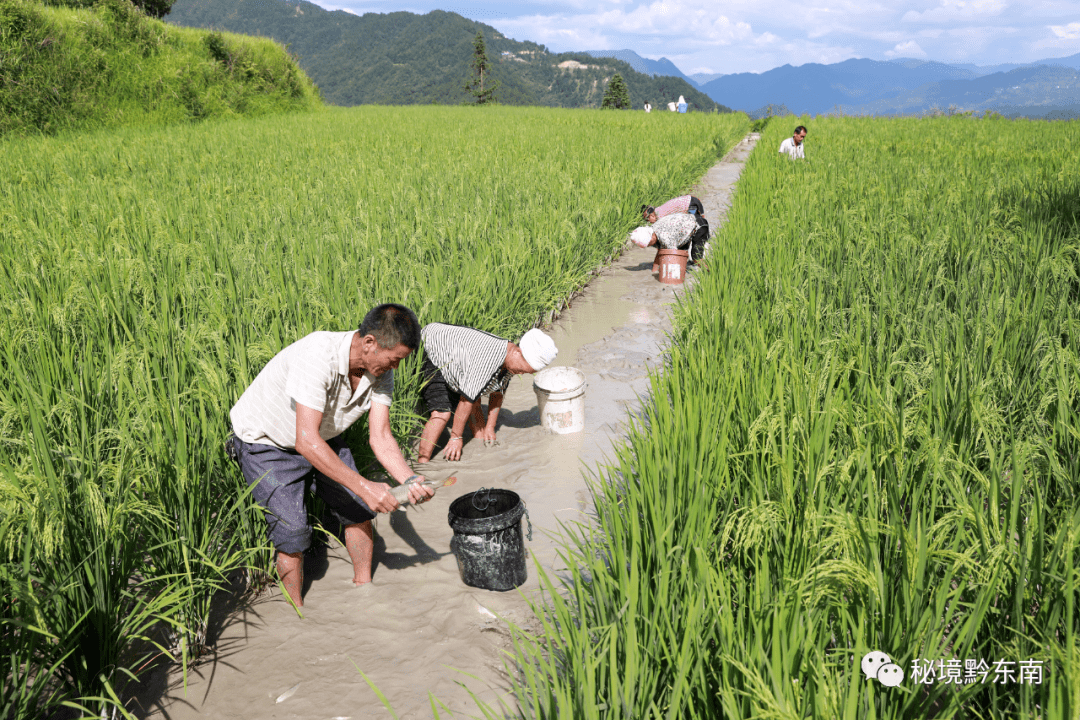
(417, 619)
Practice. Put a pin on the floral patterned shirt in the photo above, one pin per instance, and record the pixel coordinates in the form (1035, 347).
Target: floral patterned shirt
(674, 231)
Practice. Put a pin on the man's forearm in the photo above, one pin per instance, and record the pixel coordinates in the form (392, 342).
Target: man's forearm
(494, 403)
(323, 458)
(389, 456)
(461, 417)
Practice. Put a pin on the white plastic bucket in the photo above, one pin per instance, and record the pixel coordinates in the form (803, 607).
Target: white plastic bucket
(560, 393)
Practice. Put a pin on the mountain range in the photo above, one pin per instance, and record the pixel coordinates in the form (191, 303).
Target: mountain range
(403, 58)
(1046, 87)
(663, 66)
(645, 66)
(875, 87)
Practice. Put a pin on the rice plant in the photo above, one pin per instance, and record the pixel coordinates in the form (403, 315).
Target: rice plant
(865, 438)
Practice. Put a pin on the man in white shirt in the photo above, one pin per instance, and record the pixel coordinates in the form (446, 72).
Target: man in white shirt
(793, 146)
(287, 427)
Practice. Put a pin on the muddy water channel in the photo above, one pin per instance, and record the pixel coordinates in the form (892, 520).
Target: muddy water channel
(417, 629)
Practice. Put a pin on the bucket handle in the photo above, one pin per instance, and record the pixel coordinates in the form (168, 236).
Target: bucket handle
(529, 535)
(486, 494)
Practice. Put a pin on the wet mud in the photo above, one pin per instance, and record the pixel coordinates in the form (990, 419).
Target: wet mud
(417, 631)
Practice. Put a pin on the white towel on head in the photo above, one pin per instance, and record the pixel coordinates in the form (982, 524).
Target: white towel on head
(539, 350)
(642, 236)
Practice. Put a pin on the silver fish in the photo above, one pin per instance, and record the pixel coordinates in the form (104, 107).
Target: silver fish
(401, 492)
(288, 693)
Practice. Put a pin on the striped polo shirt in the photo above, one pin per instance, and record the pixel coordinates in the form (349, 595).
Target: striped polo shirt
(314, 372)
(471, 361)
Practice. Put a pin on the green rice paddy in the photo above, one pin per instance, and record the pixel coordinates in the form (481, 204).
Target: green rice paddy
(866, 436)
(149, 274)
(866, 439)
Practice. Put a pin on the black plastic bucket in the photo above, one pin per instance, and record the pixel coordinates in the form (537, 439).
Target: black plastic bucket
(487, 538)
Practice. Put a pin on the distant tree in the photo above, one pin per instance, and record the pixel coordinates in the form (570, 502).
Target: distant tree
(617, 96)
(481, 69)
(153, 8)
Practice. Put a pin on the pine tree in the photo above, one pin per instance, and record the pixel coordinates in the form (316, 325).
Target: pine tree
(481, 70)
(617, 96)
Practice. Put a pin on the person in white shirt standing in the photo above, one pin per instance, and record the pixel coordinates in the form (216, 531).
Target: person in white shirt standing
(793, 146)
(287, 430)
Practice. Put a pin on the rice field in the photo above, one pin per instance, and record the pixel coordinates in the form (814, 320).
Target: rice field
(866, 439)
(148, 274)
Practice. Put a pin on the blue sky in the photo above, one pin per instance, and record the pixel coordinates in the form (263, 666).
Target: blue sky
(757, 35)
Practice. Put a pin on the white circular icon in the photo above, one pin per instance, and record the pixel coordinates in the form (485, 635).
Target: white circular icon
(874, 661)
(890, 674)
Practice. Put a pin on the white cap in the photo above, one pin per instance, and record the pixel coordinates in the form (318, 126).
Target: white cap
(539, 350)
(642, 236)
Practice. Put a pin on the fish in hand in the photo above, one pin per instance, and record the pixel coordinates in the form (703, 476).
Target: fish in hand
(401, 492)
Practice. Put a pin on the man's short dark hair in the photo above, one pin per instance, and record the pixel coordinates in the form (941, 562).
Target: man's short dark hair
(647, 210)
(798, 130)
(392, 325)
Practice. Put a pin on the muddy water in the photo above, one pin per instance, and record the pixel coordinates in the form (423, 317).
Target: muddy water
(416, 629)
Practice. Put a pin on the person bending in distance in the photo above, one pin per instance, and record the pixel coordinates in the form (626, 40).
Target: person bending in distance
(679, 231)
(461, 365)
(683, 205)
(287, 430)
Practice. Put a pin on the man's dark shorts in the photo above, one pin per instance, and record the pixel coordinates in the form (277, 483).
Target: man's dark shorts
(283, 478)
(438, 397)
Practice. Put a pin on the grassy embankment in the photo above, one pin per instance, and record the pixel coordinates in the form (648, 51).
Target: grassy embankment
(73, 70)
(868, 439)
(149, 274)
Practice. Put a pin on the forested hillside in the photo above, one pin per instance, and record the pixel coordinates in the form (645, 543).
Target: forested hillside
(404, 58)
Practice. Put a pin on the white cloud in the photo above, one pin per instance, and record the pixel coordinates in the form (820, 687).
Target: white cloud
(909, 49)
(339, 7)
(981, 45)
(693, 22)
(673, 22)
(1067, 32)
(954, 10)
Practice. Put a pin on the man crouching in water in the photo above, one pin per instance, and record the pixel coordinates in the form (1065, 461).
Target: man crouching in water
(287, 430)
(460, 366)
